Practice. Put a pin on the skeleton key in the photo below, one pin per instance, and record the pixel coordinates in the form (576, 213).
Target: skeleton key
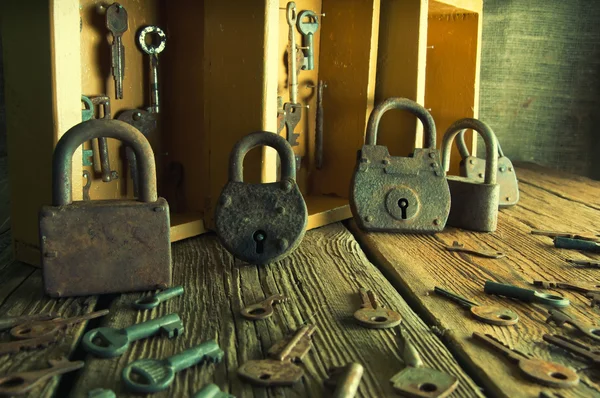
(281, 369)
(107, 342)
(23, 382)
(212, 391)
(10, 322)
(116, 22)
(154, 375)
(344, 380)
(12, 347)
(308, 23)
(30, 330)
(560, 319)
(543, 372)
(149, 302)
(373, 315)
(263, 309)
(494, 315)
(153, 50)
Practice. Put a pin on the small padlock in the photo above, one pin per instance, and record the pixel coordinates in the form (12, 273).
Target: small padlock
(104, 246)
(474, 204)
(400, 194)
(261, 223)
(474, 168)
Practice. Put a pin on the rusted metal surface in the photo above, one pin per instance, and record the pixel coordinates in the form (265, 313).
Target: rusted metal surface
(263, 309)
(582, 287)
(281, 369)
(261, 223)
(473, 168)
(474, 205)
(543, 372)
(96, 247)
(560, 319)
(35, 329)
(400, 194)
(344, 380)
(373, 315)
(457, 247)
(417, 381)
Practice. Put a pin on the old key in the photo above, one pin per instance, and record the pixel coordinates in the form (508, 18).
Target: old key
(263, 309)
(149, 302)
(543, 372)
(35, 329)
(589, 353)
(308, 23)
(107, 342)
(22, 382)
(153, 375)
(373, 315)
(116, 22)
(494, 315)
(10, 322)
(153, 50)
(560, 319)
(526, 295)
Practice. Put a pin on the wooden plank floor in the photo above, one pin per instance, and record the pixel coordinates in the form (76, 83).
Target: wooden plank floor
(322, 278)
(416, 264)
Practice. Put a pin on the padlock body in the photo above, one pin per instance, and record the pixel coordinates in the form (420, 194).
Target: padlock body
(399, 194)
(275, 211)
(474, 169)
(474, 205)
(105, 246)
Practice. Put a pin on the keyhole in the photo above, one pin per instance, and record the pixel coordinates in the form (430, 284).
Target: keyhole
(403, 205)
(259, 238)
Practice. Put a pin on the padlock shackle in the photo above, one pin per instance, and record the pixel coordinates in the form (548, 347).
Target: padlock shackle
(429, 132)
(260, 138)
(62, 159)
(491, 145)
(464, 151)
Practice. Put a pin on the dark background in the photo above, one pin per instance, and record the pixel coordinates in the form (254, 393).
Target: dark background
(540, 85)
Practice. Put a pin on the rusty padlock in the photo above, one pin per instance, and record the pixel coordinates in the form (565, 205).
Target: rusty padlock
(474, 168)
(474, 204)
(400, 194)
(104, 246)
(261, 223)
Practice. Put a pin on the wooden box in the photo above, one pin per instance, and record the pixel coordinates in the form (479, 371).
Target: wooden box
(221, 72)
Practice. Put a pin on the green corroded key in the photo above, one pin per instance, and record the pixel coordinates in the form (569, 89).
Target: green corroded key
(149, 302)
(153, 375)
(212, 391)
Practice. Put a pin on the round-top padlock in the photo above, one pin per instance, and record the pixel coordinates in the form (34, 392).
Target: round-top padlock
(491, 145)
(261, 223)
(464, 151)
(429, 132)
(62, 160)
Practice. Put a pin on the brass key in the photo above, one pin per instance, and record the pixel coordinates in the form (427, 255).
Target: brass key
(373, 315)
(116, 22)
(35, 329)
(494, 315)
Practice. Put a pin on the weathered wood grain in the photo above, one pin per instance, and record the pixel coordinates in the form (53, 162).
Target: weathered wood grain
(321, 279)
(417, 263)
(21, 293)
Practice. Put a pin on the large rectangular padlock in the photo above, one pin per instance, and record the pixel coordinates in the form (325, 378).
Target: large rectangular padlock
(474, 204)
(473, 168)
(104, 246)
(400, 194)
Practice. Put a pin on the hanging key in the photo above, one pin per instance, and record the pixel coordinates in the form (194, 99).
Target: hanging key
(494, 315)
(373, 315)
(281, 369)
(212, 391)
(116, 22)
(153, 48)
(308, 23)
(543, 372)
(319, 126)
(526, 295)
(418, 381)
(149, 302)
(344, 380)
(560, 319)
(107, 342)
(264, 309)
(23, 382)
(153, 375)
(292, 109)
(33, 329)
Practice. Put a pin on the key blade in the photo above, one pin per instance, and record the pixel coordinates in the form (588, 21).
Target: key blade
(500, 346)
(8, 323)
(208, 351)
(41, 328)
(294, 347)
(21, 383)
(12, 347)
(270, 372)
